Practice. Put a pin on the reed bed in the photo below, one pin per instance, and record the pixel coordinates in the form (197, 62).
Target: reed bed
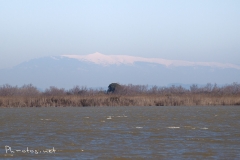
(119, 100)
(120, 95)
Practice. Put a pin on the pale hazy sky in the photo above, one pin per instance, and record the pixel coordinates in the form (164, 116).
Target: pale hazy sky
(192, 30)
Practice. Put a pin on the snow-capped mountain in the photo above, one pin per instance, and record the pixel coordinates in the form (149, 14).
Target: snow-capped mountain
(102, 59)
(99, 70)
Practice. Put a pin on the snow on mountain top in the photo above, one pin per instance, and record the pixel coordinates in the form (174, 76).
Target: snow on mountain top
(105, 60)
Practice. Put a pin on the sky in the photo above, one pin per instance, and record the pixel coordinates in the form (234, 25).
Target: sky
(191, 30)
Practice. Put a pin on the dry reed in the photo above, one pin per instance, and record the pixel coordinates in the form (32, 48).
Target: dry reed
(119, 100)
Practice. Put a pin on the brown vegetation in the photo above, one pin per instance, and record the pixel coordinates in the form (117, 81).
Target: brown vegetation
(125, 95)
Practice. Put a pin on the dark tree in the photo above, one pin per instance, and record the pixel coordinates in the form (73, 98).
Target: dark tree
(113, 87)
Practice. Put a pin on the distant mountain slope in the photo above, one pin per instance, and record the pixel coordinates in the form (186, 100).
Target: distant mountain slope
(102, 59)
(98, 70)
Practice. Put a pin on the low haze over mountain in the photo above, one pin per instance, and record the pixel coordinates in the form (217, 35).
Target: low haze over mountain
(99, 70)
(102, 59)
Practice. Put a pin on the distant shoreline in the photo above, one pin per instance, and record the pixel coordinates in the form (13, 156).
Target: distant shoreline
(119, 100)
(120, 95)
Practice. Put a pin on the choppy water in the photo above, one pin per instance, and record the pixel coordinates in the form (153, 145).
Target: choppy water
(120, 133)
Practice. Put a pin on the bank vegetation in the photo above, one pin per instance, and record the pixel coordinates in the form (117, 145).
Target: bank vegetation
(120, 95)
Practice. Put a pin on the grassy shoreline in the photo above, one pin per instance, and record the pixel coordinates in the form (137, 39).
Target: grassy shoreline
(120, 95)
(119, 100)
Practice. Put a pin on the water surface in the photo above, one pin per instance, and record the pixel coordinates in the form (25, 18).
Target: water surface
(120, 133)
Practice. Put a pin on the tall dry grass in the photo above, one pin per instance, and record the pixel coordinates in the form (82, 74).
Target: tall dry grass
(118, 100)
(124, 95)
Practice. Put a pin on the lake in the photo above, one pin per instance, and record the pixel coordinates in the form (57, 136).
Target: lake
(120, 132)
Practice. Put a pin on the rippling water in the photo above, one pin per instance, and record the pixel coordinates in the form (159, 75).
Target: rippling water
(120, 133)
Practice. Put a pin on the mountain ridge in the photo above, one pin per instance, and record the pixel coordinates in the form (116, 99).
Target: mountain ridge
(66, 72)
(103, 59)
